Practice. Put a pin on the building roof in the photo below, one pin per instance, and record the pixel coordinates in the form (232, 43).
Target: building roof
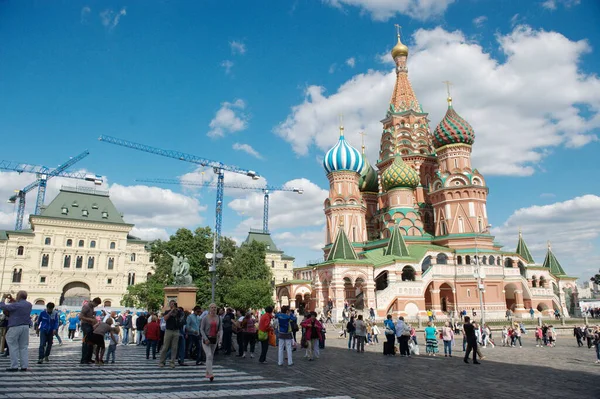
(83, 204)
(523, 250)
(552, 263)
(341, 249)
(265, 238)
(396, 245)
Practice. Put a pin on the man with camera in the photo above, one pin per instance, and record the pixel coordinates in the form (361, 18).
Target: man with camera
(17, 336)
(172, 318)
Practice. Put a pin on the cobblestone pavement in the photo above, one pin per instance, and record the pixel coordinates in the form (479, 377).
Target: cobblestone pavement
(564, 371)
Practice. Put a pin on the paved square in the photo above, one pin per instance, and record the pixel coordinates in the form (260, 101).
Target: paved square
(561, 372)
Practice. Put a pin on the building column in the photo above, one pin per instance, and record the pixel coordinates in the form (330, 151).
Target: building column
(520, 306)
(293, 303)
(435, 301)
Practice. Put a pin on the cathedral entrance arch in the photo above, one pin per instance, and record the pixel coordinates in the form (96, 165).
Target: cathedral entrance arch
(74, 294)
(428, 299)
(510, 297)
(446, 298)
(381, 281)
(359, 302)
(283, 296)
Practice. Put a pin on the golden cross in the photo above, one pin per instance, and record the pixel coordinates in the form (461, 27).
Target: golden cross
(398, 27)
(363, 134)
(448, 84)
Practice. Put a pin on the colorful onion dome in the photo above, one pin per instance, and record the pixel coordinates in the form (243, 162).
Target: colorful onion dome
(399, 174)
(368, 177)
(399, 49)
(343, 157)
(453, 129)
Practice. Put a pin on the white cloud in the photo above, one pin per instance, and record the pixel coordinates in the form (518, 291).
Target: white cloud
(247, 148)
(479, 21)
(227, 65)
(382, 10)
(230, 118)
(150, 233)
(515, 120)
(351, 62)
(571, 226)
(237, 47)
(516, 19)
(311, 239)
(332, 68)
(85, 12)
(110, 19)
(231, 180)
(553, 4)
(307, 207)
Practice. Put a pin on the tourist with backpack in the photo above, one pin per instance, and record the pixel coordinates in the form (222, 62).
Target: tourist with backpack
(171, 340)
(47, 325)
(285, 334)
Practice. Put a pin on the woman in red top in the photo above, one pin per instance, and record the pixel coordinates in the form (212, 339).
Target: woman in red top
(152, 331)
(313, 334)
(249, 329)
(264, 325)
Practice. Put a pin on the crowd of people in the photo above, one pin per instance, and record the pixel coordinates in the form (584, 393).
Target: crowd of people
(176, 336)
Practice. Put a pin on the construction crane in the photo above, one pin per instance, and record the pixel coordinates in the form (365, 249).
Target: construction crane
(266, 191)
(43, 175)
(219, 169)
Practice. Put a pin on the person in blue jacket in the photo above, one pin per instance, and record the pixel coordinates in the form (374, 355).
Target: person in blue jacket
(47, 327)
(73, 325)
(284, 332)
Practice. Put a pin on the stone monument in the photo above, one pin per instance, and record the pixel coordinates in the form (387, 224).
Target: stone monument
(183, 291)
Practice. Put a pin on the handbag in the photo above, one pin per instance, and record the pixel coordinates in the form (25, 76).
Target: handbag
(212, 340)
(262, 335)
(272, 339)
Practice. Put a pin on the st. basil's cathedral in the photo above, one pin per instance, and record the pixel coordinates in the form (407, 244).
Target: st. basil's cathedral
(411, 233)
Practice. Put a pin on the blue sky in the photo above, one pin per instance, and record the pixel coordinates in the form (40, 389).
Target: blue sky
(261, 84)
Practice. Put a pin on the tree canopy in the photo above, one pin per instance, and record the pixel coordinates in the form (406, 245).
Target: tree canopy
(243, 278)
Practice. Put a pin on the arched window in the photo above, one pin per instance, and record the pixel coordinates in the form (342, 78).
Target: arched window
(479, 225)
(67, 261)
(484, 260)
(111, 263)
(91, 262)
(492, 260)
(534, 282)
(69, 243)
(47, 241)
(441, 259)
(468, 260)
(272, 263)
(45, 260)
(20, 250)
(113, 245)
(461, 225)
(79, 262)
(80, 244)
(148, 275)
(131, 279)
(408, 273)
(542, 282)
(443, 227)
(107, 304)
(508, 262)
(92, 244)
(459, 260)
(426, 264)
(16, 278)
(132, 257)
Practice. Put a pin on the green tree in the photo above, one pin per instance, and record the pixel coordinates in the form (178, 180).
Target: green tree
(245, 280)
(194, 245)
(596, 278)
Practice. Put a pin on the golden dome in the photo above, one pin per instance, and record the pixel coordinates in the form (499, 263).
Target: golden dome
(399, 49)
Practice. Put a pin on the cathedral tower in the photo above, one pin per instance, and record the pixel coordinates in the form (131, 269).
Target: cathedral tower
(458, 193)
(368, 185)
(344, 208)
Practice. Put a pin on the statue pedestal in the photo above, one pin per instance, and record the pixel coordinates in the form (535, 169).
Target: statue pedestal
(185, 296)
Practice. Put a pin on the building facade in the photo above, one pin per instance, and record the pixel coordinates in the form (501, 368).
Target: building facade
(78, 248)
(282, 265)
(411, 234)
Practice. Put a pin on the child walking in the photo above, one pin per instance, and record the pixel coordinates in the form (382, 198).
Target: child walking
(113, 341)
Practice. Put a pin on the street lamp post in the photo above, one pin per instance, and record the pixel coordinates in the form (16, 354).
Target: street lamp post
(479, 273)
(213, 267)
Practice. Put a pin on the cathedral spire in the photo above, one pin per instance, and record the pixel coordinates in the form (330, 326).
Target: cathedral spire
(403, 97)
(523, 250)
(552, 263)
(342, 248)
(396, 245)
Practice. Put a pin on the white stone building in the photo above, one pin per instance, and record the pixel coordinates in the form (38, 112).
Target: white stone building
(79, 247)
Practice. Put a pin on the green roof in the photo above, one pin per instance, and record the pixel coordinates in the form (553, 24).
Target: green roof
(552, 263)
(296, 281)
(523, 251)
(83, 204)
(3, 235)
(396, 245)
(417, 251)
(341, 249)
(265, 238)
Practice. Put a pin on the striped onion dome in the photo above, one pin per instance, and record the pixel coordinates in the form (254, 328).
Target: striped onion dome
(453, 129)
(399, 175)
(343, 157)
